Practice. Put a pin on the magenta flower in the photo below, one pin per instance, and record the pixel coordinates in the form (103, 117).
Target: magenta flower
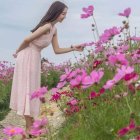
(125, 13)
(39, 93)
(123, 131)
(72, 109)
(137, 138)
(130, 78)
(127, 129)
(96, 63)
(55, 97)
(13, 131)
(87, 11)
(101, 91)
(132, 125)
(92, 95)
(132, 88)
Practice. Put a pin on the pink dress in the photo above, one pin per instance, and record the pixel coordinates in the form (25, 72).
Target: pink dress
(27, 76)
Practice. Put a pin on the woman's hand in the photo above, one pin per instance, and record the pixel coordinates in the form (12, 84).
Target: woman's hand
(79, 48)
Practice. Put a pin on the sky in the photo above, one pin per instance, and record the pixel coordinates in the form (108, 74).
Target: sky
(18, 17)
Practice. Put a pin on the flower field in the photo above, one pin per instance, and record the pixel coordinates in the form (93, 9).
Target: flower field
(101, 101)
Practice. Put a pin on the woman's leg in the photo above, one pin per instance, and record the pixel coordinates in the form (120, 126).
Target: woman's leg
(29, 122)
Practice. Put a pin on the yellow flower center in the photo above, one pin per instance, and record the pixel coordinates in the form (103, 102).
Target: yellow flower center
(12, 130)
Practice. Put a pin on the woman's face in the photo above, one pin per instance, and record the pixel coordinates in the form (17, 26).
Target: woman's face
(62, 15)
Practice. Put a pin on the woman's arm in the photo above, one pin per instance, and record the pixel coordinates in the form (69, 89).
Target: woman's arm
(56, 48)
(40, 31)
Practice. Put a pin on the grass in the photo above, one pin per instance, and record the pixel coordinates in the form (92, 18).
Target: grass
(102, 121)
(4, 99)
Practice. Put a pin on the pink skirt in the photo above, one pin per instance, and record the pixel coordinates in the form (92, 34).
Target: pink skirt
(26, 79)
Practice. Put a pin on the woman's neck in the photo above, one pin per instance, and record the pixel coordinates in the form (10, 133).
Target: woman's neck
(53, 23)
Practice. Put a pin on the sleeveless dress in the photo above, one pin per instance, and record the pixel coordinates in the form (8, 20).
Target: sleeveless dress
(27, 76)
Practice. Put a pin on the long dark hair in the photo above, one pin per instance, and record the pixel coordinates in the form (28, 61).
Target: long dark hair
(52, 14)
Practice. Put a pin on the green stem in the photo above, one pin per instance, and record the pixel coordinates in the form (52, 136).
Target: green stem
(128, 105)
(96, 26)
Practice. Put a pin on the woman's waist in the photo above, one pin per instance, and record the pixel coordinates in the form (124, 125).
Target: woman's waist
(35, 46)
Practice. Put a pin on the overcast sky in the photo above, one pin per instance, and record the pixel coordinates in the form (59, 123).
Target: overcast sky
(18, 17)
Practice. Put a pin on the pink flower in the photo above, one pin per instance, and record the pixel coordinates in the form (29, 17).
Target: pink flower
(13, 131)
(112, 59)
(99, 49)
(61, 84)
(87, 81)
(87, 12)
(64, 76)
(123, 48)
(73, 74)
(135, 38)
(126, 12)
(54, 90)
(38, 132)
(39, 127)
(38, 124)
(117, 58)
(72, 102)
(87, 44)
(76, 81)
(84, 15)
(109, 34)
(121, 72)
(39, 93)
(109, 84)
(94, 77)
(126, 69)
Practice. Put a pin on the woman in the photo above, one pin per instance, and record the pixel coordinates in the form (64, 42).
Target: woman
(27, 71)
